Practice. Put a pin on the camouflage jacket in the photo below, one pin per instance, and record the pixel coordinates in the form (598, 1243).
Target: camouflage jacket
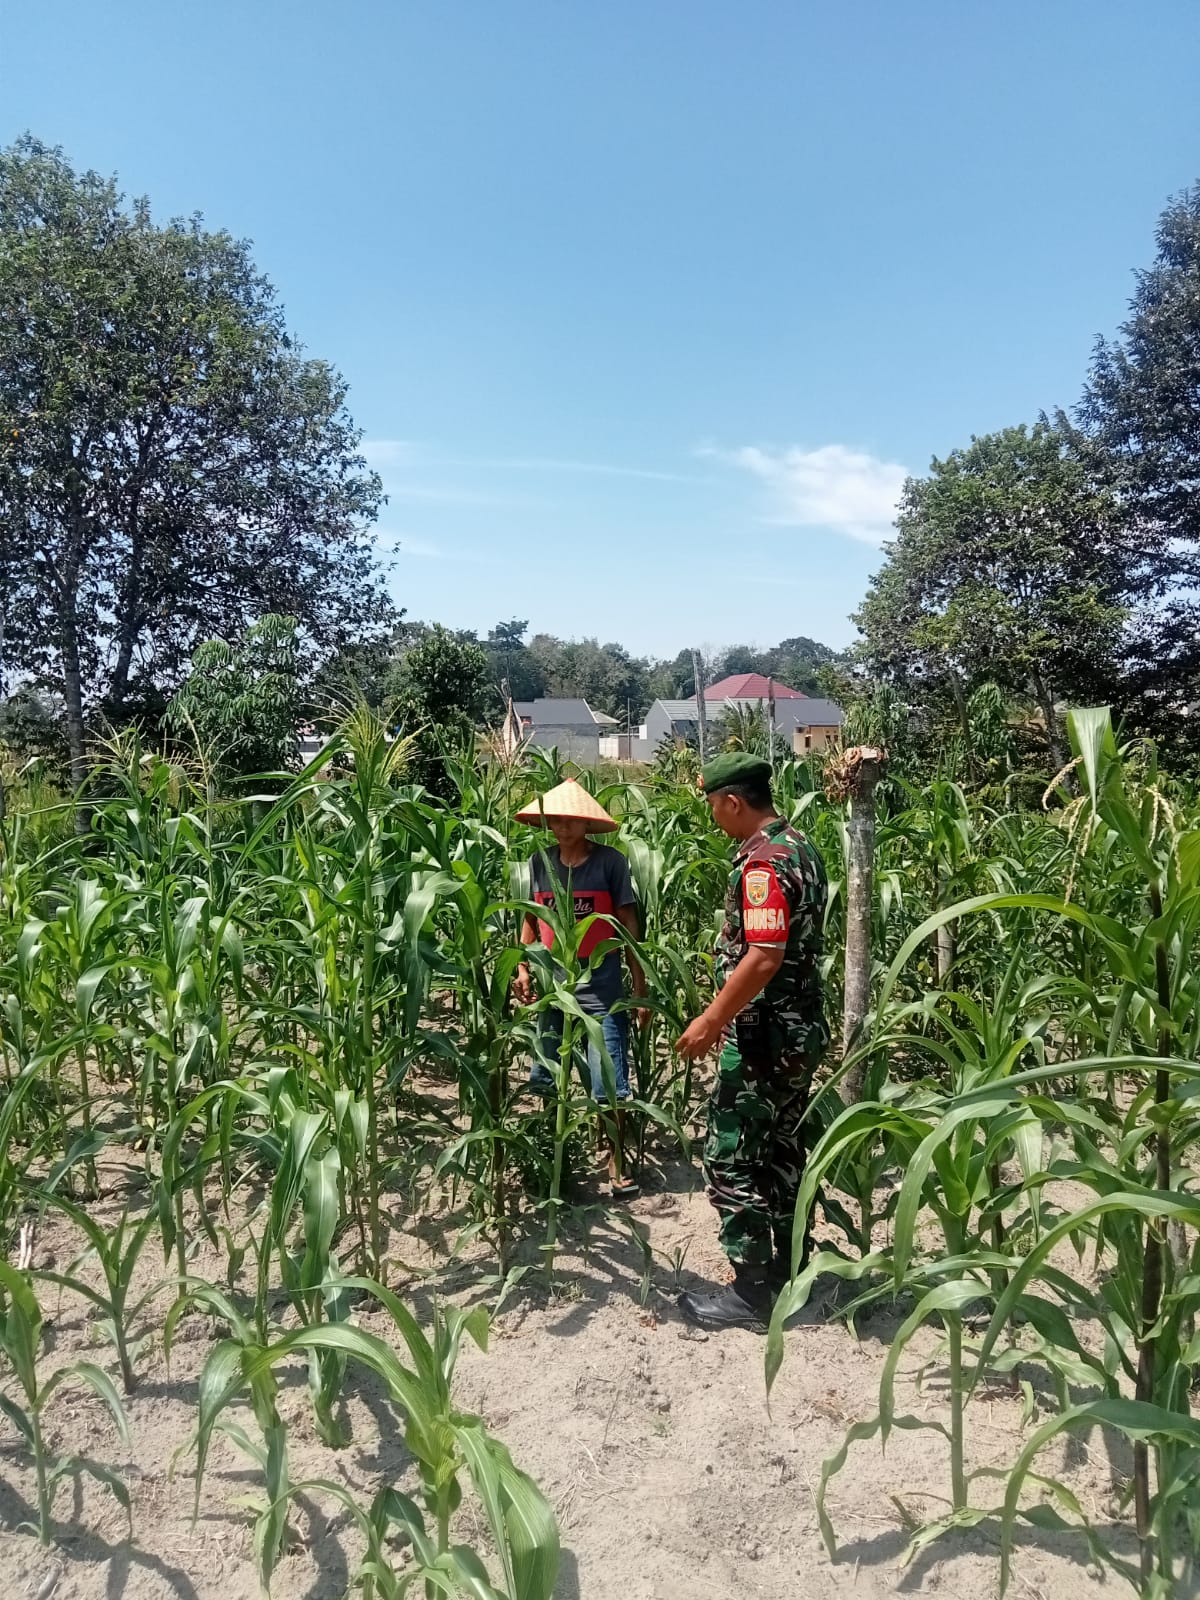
(777, 892)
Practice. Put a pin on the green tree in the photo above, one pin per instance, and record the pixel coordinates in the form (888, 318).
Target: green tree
(171, 465)
(1141, 414)
(240, 702)
(795, 663)
(672, 680)
(1005, 568)
(30, 729)
(513, 663)
(361, 671)
(606, 676)
(799, 661)
(443, 691)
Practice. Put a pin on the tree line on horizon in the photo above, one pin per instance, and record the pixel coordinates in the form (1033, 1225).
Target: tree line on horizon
(185, 516)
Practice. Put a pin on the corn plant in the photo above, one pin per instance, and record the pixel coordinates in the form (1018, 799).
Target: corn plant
(117, 1253)
(20, 1341)
(1017, 1090)
(442, 1439)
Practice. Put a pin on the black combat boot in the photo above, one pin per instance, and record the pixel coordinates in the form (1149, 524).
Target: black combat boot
(745, 1303)
(779, 1273)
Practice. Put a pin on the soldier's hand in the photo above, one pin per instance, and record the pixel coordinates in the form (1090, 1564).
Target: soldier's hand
(698, 1038)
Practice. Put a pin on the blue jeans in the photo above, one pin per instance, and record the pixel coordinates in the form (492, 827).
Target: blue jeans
(615, 1027)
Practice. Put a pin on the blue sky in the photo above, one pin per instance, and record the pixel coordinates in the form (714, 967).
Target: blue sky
(647, 308)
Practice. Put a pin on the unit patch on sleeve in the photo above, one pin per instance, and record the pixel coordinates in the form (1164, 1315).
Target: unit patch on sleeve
(764, 907)
(757, 885)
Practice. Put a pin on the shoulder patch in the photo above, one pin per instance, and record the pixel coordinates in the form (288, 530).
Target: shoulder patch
(757, 883)
(765, 914)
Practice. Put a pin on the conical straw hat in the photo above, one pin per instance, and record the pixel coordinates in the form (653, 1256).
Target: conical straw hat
(569, 799)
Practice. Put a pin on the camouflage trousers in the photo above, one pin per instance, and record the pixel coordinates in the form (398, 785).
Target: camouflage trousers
(754, 1150)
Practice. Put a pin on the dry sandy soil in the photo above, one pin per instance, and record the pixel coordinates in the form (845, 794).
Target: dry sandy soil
(671, 1479)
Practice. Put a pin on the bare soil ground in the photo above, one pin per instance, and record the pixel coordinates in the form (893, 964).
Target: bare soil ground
(671, 1478)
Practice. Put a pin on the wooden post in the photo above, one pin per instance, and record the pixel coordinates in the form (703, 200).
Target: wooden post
(701, 714)
(862, 769)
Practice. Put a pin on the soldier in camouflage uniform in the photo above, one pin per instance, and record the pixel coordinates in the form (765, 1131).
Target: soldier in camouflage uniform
(769, 1020)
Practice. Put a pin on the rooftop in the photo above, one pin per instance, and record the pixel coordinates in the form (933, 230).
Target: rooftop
(751, 686)
(814, 713)
(565, 713)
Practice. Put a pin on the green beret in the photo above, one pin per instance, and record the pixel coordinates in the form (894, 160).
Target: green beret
(735, 767)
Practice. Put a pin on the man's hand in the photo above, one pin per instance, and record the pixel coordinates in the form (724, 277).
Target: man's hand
(698, 1037)
(641, 1012)
(523, 986)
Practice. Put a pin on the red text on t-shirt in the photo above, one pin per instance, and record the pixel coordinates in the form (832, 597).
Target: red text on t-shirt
(588, 902)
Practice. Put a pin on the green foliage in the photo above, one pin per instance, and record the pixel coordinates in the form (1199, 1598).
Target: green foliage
(240, 703)
(441, 692)
(262, 999)
(171, 465)
(444, 680)
(20, 1344)
(796, 663)
(30, 731)
(1002, 570)
(442, 1439)
(1141, 419)
(117, 1253)
(748, 728)
(606, 676)
(1059, 1058)
(513, 663)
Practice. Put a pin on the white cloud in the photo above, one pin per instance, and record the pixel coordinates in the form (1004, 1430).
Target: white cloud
(847, 491)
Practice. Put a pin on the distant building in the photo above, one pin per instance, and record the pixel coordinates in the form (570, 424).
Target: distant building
(569, 726)
(309, 743)
(586, 736)
(750, 686)
(806, 722)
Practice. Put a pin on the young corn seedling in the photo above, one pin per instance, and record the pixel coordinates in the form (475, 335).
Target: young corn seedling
(20, 1342)
(234, 1366)
(116, 1253)
(442, 1439)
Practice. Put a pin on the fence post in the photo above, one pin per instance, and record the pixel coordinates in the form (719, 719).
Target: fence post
(860, 770)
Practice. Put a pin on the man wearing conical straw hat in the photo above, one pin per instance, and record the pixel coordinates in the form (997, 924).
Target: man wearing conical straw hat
(597, 878)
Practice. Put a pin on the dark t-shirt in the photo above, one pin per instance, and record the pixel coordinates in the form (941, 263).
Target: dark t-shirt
(599, 885)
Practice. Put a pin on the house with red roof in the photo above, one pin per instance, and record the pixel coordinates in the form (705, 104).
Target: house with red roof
(751, 686)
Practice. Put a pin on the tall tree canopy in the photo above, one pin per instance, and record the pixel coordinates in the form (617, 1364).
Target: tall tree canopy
(1141, 412)
(1006, 567)
(171, 465)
